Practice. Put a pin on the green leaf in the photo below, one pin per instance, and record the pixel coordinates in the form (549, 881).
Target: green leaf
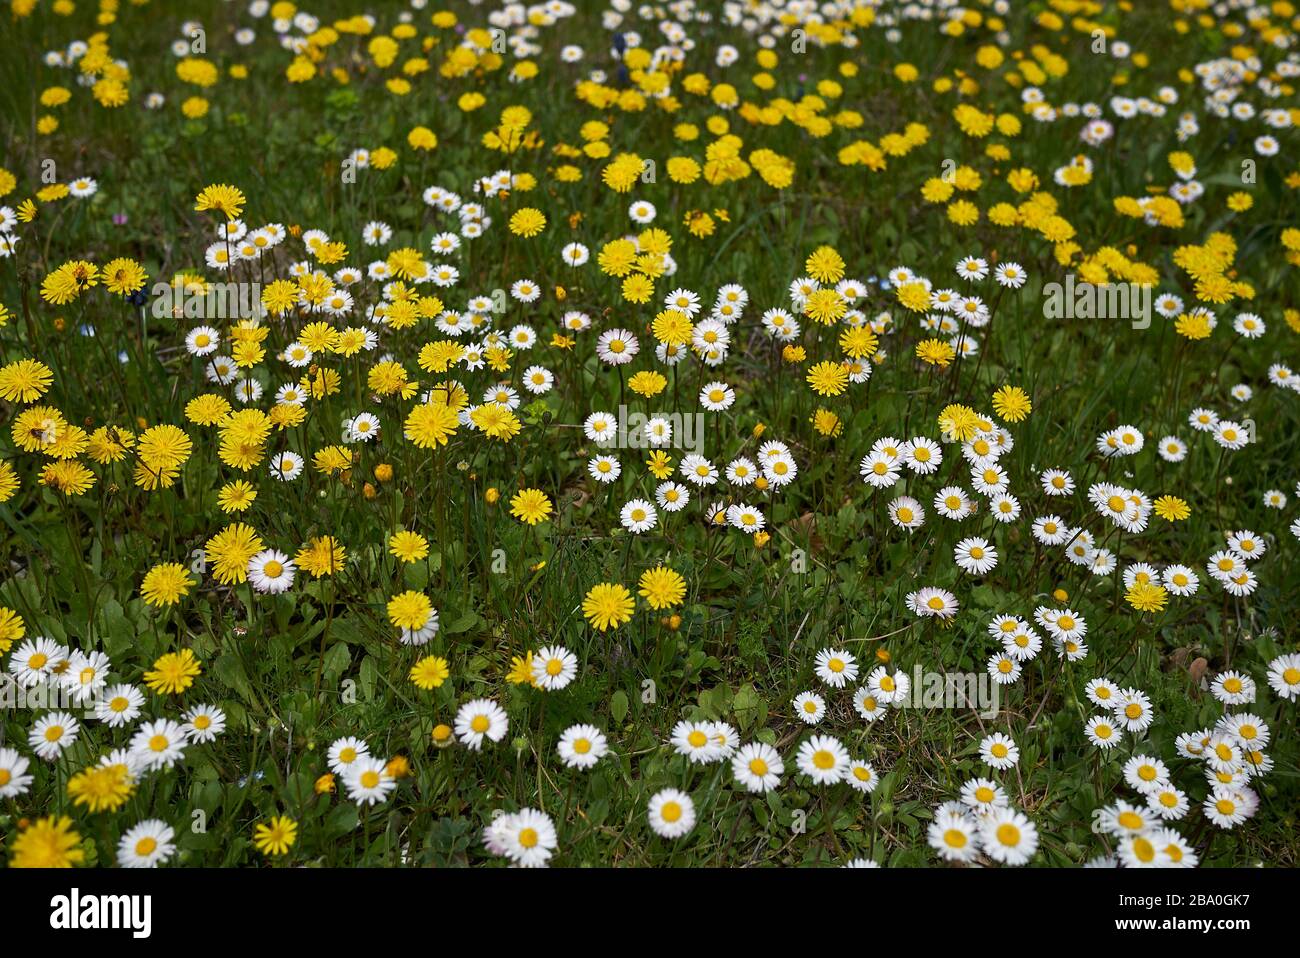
(618, 706)
(749, 707)
(230, 670)
(369, 676)
(337, 660)
(117, 634)
(463, 623)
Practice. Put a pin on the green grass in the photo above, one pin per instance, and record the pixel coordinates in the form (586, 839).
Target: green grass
(295, 672)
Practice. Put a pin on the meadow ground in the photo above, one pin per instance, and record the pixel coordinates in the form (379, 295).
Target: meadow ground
(701, 434)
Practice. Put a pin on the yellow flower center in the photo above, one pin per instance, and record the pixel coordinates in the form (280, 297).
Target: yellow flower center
(1143, 849)
(1131, 820)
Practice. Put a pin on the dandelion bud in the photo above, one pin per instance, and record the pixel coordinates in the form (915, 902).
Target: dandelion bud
(398, 767)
